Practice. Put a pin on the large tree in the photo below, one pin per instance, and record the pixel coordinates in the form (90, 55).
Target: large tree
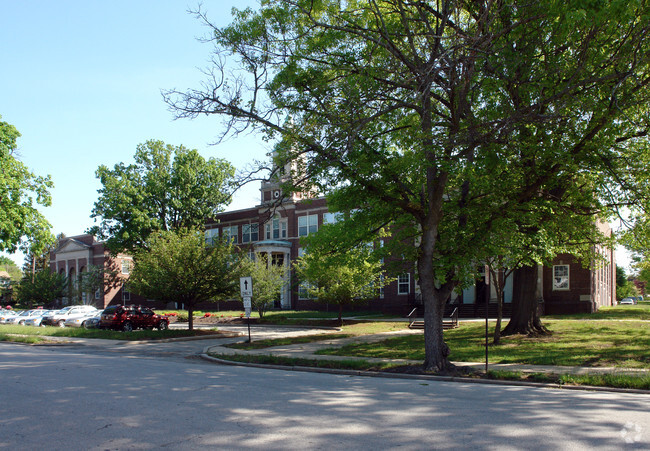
(44, 288)
(414, 113)
(21, 191)
(178, 266)
(167, 188)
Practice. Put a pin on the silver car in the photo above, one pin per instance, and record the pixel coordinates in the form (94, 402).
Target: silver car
(36, 320)
(84, 321)
(20, 319)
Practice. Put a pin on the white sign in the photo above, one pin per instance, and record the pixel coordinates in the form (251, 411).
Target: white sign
(247, 303)
(246, 287)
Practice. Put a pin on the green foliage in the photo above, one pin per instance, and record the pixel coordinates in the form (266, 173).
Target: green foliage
(167, 188)
(268, 281)
(8, 265)
(351, 276)
(44, 289)
(177, 266)
(20, 193)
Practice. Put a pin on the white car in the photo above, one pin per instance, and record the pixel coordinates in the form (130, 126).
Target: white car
(81, 321)
(6, 315)
(36, 320)
(20, 319)
(73, 311)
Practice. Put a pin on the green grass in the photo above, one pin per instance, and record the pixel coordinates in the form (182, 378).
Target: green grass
(641, 312)
(594, 380)
(17, 333)
(623, 344)
(359, 365)
(261, 344)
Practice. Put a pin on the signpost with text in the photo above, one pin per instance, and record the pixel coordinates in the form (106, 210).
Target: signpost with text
(246, 289)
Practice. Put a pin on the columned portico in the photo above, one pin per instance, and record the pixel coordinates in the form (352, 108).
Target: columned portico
(278, 253)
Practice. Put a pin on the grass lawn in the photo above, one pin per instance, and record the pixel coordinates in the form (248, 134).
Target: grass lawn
(641, 311)
(623, 344)
(37, 334)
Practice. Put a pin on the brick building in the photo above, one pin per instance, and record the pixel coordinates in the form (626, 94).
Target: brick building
(81, 254)
(276, 225)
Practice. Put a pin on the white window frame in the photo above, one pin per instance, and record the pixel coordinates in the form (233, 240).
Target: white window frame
(126, 266)
(401, 283)
(309, 224)
(276, 228)
(232, 233)
(210, 235)
(250, 233)
(561, 280)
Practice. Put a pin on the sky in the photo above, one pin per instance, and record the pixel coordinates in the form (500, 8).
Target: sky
(82, 81)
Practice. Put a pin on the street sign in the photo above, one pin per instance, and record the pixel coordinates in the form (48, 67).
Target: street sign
(247, 303)
(246, 287)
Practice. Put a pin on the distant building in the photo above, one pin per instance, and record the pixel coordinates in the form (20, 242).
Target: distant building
(81, 254)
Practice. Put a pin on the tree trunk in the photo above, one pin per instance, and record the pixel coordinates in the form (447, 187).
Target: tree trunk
(340, 314)
(436, 351)
(500, 282)
(525, 317)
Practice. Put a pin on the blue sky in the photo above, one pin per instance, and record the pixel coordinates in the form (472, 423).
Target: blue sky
(81, 81)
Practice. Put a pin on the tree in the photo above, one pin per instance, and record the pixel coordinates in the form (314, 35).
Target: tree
(20, 193)
(168, 188)
(7, 265)
(44, 288)
(10, 275)
(177, 266)
(341, 278)
(411, 114)
(268, 281)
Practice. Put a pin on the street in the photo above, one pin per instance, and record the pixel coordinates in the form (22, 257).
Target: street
(143, 397)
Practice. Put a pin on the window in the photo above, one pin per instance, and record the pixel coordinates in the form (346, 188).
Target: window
(126, 294)
(126, 266)
(210, 236)
(250, 233)
(231, 232)
(332, 218)
(561, 277)
(276, 229)
(404, 283)
(307, 224)
(98, 294)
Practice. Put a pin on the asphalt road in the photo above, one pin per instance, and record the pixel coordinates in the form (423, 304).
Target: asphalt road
(163, 396)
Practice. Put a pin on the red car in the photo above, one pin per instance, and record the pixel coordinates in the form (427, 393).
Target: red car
(128, 318)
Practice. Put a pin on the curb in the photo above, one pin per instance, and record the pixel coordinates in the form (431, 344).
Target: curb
(432, 378)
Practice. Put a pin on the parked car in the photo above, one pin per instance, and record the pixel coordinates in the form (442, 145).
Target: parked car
(36, 320)
(627, 301)
(7, 314)
(128, 318)
(58, 317)
(82, 321)
(23, 316)
(93, 323)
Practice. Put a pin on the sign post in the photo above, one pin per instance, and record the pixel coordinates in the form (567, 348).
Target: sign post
(246, 288)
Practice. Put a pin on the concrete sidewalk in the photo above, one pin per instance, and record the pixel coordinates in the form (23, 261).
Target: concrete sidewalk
(308, 351)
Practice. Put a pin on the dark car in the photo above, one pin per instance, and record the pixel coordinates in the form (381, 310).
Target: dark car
(128, 318)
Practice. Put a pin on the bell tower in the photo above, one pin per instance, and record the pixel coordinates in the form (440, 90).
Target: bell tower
(271, 189)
